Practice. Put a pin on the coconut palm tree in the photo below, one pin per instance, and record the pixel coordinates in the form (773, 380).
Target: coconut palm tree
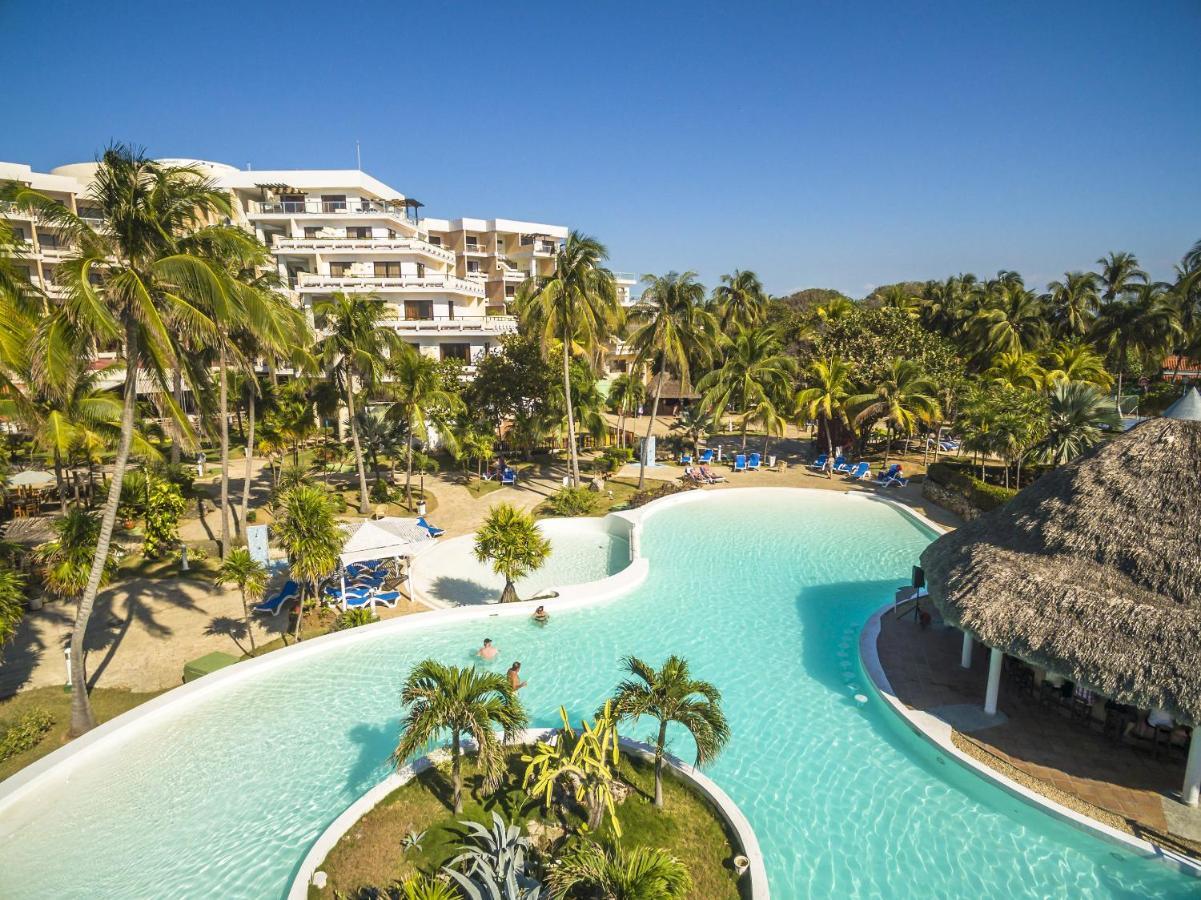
(130, 282)
(354, 349)
(463, 701)
(739, 301)
(899, 297)
(670, 695)
(241, 569)
(753, 379)
(626, 394)
(1012, 321)
(1079, 414)
(1019, 370)
(672, 327)
(1075, 361)
(901, 399)
(1120, 274)
(421, 401)
(12, 605)
(1143, 322)
(573, 309)
(305, 527)
(1073, 303)
(588, 869)
(513, 543)
(66, 561)
(697, 424)
(826, 399)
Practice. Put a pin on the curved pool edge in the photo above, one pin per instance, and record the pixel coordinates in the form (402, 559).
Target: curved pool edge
(735, 819)
(938, 734)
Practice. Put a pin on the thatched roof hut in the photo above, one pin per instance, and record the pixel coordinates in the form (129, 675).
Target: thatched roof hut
(1094, 571)
(672, 389)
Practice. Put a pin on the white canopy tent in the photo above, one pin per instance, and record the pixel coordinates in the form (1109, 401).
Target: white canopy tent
(388, 538)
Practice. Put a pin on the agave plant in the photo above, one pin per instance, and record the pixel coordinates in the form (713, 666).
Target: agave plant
(495, 864)
(412, 840)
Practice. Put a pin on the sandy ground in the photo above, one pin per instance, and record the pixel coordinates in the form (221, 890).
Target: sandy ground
(144, 630)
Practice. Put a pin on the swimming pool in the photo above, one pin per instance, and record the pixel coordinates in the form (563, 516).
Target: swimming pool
(764, 592)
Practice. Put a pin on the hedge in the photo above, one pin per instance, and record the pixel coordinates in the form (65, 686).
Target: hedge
(25, 733)
(978, 493)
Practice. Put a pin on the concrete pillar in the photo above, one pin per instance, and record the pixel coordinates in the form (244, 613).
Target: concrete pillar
(994, 681)
(1192, 771)
(965, 658)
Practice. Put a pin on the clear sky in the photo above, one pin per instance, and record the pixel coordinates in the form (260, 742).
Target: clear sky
(820, 144)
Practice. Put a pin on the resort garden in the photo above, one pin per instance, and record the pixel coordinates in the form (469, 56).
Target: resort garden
(165, 397)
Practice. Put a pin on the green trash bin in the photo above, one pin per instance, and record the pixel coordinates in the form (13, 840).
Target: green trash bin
(210, 662)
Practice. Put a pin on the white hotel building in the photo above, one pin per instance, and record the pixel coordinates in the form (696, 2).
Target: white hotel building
(446, 282)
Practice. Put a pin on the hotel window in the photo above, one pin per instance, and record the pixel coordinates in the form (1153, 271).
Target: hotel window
(472, 243)
(435, 240)
(358, 234)
(292, 202)
(387, 270)
(19, 236)
(473, 265)
(456, 351)
(420, 270)
(527, 239)
(510, 290)
(500, 245)
(312, 232)
(333, 202)
(419, 309)
(341, 269)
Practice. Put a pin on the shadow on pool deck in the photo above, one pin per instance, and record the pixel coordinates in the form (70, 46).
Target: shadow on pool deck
(461, 591)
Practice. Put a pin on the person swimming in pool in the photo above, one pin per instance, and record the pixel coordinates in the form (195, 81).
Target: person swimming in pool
(540, 615)
(514, 676)
(487, 652)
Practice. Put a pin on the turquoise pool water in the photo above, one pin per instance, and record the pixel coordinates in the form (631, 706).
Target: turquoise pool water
(764, 593)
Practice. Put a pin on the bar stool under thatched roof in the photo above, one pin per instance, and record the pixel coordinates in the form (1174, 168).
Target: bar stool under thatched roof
(1094, 572)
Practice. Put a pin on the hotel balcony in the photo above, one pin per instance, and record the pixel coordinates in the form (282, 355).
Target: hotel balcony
(348, 207)
(308, 282)
(465, 325)
(475, 250)
(372, 246)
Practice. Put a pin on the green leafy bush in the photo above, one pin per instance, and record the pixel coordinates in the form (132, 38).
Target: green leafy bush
(641, 498)
(980, 494)
(165, 504)
(380, 492)
(353, 618)
(572, 501)
(25, 733)
(612, 459)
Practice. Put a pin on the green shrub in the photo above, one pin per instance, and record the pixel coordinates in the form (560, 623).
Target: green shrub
(251, 516)
(353, 618)
(641, 498)
(25, 733)
(164, 506)
(380, 492)
(980, 494)
(569, 501)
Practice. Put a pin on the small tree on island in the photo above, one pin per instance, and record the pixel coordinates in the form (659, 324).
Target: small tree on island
(512, 541)
(250, 575)
(462, 701)
(307, 530)
(668, 695)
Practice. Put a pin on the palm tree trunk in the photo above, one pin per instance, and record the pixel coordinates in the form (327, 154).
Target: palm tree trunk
(82, 718)
(177, 389)
(509, 594)
(456, 771)
(887, 445)
(58, 479)
(575, 461)
(659, 745)
(409, 469)
(829, 450)
(300, 609)
(224, 403)
(651, 427)
(364, 506)
(249, 623)
(249, 452)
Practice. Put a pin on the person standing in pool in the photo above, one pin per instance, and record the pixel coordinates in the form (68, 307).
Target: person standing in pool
(514, 676)
(540, 615)
(487, 652)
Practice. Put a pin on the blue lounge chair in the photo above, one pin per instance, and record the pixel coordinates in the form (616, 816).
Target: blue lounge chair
(892, 472)
(272, 607)
(685, 459)
(897, 480)
(358, 601)
(434, 532)
(859, 471)
(740, 462)
(388, 598)
(820, 462)
(752, 464)
(707, 457)
(508, 476)
(841, 465)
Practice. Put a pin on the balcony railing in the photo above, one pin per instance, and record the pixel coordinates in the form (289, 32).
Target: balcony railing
(451, 283)
(374, 245)
(444, 324)
(334, 207)
(475, 249)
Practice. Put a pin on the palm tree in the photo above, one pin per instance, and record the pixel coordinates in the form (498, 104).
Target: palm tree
(827, 398)
(672, 326)
(901, 399)
(697, 424)
(1012, 321)
(899, 297)
(739, 301)
(306, 529)
(1019, 370)
(463, 701)
(514, 543)
(475, 442)
(1079, 415)
(421, 401)
(1119, 276)
(250, 575)
(12, 605)
(1139, 324)
(353, 349)
(1073, 303)
(671, 695)
(588, 869)
(574, 308)
(626, 393)
(1076, 361)
(67, 560)
(754, 377)
(131, 282)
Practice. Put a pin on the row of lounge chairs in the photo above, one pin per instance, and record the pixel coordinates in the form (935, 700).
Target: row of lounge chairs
(702, 475)
(705, 458)
(861, 471)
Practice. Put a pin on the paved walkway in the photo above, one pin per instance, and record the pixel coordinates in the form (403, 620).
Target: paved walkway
(1064, 755)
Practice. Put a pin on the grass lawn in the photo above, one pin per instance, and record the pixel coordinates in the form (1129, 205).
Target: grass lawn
(478, 488)
(622, 490)
(107, 703)
(135, 565)
(370, 854)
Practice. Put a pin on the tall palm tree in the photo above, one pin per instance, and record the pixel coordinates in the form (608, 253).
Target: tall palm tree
(672, 327)
(131, 282)
(901, 399)
(588, 869)
(1120, 274)
(305, 527)
(697, 424)
(670, 695)
(740, 301)
(574, 309)
(463, 701)
(1143, 322)
(626, 393)
(1079, 414)
(1073, 303)
(421, 401)
(66, 560)
(826, 399)
(514, 544)
(12, 605)
(241, 569)
(1013, 320)
(353, 349)
(1019, 370)
(899, 297)
(753, 379)
(1075, 361)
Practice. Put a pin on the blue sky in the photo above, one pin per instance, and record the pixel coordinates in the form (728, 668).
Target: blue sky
(820, 144)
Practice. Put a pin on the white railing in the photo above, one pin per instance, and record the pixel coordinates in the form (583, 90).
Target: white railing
(382, 245)
(475, 248)
(489, 324)
(451, 283)
(350, 206)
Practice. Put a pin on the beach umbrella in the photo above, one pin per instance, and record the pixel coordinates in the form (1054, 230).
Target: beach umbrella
(31, 478)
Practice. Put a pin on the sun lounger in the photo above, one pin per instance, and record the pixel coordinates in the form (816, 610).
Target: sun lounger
(895, 481)
(740, 462)
(859, 471)
(841, 465)
(685, 459)
(820, 462)
(509, 476)
(752, 464)
(434, 532)
(358, 601)
(710, 476)
(706, 457)
(388, 598)
(272, 607)
(892, 472)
